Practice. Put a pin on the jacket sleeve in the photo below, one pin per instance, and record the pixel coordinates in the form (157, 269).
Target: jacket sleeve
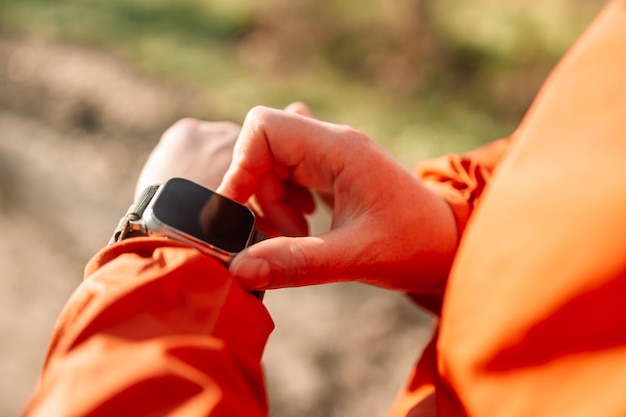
(533, 323)
(460, 179)
(156, 328)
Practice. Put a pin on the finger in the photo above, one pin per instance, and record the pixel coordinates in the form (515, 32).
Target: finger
(300, 108)
(293, 262)
(300, 198)
(304, 110)
(280, 220)
(271, 139)
(272, 204)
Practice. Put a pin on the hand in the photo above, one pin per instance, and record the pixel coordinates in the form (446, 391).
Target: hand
(299, 199)
(192, 149)
(387, 228)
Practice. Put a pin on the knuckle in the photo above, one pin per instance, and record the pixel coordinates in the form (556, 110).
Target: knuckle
(255, 119)
(354, 136)
(182, 131)
(294, 269)
(225, 132)
(258, 115)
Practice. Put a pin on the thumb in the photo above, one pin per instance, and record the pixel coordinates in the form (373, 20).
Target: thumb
(291, 262)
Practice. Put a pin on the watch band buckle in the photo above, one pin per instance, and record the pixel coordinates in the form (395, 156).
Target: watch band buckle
(132, 219)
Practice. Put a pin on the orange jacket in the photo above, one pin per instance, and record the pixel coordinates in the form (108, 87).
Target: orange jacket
(532, 315)
(156, 328)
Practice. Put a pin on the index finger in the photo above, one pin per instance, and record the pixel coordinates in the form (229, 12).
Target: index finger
(289, 145)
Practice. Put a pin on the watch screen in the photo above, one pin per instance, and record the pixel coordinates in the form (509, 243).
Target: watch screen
(204, 214)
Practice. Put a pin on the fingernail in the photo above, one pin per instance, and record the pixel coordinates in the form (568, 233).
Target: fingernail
(255, 271)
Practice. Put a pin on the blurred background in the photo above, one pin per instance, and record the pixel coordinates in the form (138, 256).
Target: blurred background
(87, 87)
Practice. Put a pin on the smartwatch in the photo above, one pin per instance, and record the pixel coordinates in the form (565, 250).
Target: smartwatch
(188, 212)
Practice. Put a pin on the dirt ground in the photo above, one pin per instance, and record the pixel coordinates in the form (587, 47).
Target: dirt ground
(75, 128)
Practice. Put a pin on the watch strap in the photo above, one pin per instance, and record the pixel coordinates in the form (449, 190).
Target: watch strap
(258, 237)
(133, 215)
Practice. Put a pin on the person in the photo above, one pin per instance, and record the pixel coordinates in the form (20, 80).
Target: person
(518, 246)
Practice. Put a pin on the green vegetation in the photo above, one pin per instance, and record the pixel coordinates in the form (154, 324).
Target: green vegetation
(422, 77)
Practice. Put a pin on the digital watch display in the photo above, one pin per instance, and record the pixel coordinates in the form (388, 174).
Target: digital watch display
(188, 212)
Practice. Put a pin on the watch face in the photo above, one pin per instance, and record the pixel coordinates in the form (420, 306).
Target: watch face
(203, 214)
